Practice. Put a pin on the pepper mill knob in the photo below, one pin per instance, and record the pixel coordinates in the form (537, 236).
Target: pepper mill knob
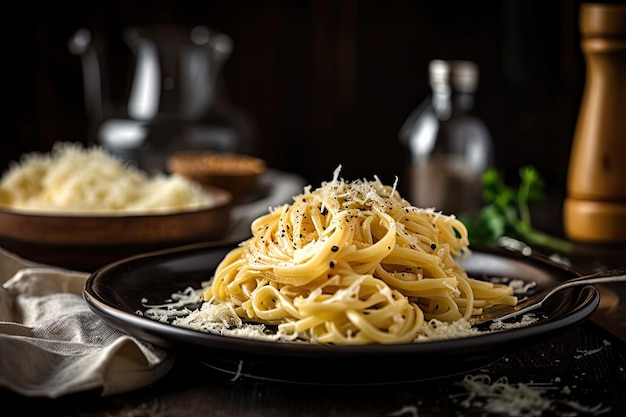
(595, 208)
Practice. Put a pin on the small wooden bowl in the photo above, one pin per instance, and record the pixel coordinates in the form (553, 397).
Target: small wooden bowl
(87, 242)
(233, 172)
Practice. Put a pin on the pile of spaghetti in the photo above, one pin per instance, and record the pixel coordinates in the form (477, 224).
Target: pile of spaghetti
(350, 263)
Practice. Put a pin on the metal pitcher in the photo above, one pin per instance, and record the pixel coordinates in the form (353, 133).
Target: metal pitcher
(173, 97)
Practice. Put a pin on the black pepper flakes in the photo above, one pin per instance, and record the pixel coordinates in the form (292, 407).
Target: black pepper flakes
(433, 246)
(334, 248)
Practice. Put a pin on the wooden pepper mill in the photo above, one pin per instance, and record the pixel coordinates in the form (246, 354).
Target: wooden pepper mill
(595, 208)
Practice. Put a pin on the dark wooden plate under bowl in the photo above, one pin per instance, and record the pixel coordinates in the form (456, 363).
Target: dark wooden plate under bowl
(88, 242)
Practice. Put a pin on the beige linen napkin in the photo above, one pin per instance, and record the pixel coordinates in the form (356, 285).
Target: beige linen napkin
(52, 344)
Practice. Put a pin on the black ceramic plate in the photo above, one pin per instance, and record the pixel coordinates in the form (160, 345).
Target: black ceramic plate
(115, 293)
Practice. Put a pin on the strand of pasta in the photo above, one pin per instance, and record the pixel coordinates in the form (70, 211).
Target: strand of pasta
(352, 263)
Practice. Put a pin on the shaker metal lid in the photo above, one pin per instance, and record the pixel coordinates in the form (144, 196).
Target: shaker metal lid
(459, 75)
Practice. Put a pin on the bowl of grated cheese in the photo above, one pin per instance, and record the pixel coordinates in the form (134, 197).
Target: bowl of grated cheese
(81, 208)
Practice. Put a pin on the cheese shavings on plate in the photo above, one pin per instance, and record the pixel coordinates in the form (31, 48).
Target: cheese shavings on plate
(186, 309)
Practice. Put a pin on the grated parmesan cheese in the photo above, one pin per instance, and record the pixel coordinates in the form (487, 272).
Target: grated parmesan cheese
(182, 310)
(438, 330)
(72, 178)
(503, 398)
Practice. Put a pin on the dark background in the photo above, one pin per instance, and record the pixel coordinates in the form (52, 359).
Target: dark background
(324, 82)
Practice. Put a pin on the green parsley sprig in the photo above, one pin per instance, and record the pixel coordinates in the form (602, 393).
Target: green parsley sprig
(507, 212)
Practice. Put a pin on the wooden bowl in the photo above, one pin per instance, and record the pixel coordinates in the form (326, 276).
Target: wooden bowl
(236, 173)
(88, 242)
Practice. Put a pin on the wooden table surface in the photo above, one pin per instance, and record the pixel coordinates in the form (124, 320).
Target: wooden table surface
(581, 372)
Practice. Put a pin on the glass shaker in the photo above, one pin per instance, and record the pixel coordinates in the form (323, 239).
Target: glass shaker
(450, 147)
